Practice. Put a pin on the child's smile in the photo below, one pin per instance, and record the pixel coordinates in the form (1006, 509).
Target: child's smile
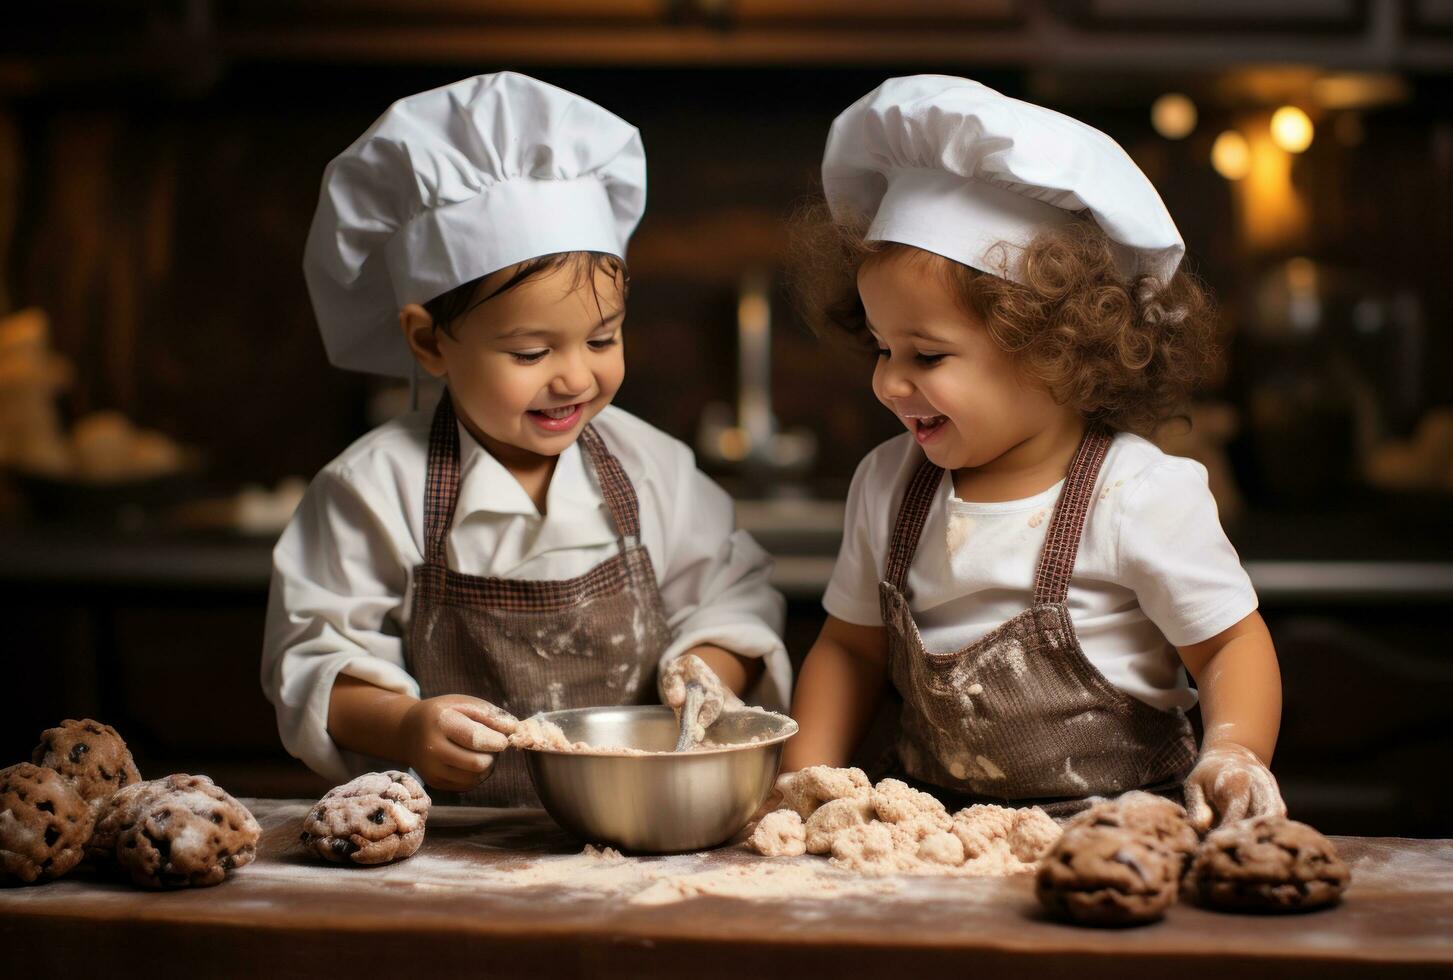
(925, 427)
(561, 419)
(530, 367)
(941, 373)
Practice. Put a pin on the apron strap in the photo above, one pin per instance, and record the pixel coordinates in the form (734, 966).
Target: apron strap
(1062, 540)
(912, 515)
(615, 486)
(441, 487)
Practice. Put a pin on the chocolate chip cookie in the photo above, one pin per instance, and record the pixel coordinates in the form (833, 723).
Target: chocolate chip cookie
(377, 818)
(1267, 864)
(93, 756)
(1107, 876)
(178, 832)
(1155, 819)
(44, 824)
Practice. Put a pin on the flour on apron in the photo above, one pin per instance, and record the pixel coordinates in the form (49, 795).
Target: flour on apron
(531, 646)
(1022, 714)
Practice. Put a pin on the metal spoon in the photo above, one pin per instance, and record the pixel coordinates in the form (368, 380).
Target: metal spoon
(690, 711)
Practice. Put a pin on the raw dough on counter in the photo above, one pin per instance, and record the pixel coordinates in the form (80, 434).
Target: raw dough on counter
(832, 818)
(92, 755)
(892, 828)
(44, 824)
(1107, 876)
(1267, 864)
(175, 832)
(807, 789)
(779, 834)
(374, 819)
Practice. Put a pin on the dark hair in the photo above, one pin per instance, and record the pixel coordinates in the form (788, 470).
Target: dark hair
(1127, 352)
(447, 308)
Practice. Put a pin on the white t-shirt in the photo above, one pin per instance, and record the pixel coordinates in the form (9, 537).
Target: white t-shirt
(343, 571)
(1154, 567)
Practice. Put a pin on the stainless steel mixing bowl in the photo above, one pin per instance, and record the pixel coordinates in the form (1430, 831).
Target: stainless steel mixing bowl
(663, 803)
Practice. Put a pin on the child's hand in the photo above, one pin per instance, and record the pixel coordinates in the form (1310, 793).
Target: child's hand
(451, 741)
(1228, 784)
(689, 668)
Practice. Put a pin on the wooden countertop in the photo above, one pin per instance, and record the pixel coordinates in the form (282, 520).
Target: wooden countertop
(499, 892)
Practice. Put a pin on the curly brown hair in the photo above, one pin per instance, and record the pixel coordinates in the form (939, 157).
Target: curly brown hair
(1125, 352)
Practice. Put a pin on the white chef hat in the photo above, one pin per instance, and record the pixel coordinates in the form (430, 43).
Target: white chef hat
(953, 167)
(453, 184)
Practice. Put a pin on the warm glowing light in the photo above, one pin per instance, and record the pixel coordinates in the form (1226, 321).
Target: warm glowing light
(1230, 155)
(1360, 90)
(1173, 115)
(1291, 129)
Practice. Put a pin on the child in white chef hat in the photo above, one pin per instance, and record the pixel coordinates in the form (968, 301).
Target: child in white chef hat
(526, 546)
(1030, 573)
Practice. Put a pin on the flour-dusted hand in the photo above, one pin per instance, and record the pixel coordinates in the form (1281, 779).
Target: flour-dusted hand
(1230, 783)
(451, 741)
(687, 669)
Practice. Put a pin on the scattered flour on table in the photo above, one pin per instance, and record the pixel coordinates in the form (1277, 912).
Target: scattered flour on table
(596, 873)
(892, 829)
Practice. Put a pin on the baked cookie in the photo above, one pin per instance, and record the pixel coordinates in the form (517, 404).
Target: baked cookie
(44, 824)
(376, 818)
(1106, 876)
(1156, 819)
(91, 755)
(1267, 864)
(178, 832)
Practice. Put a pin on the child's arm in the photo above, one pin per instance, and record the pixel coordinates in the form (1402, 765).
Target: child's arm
(725, 617)
(838, 691)
(1240, 689)
(450, 741)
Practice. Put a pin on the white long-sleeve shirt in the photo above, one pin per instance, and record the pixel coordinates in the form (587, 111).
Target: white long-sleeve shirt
(343, 571)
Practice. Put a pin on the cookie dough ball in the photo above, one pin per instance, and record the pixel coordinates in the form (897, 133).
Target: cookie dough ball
(127, 805)
(1267, 864)
(44, 824)
(1026, 833)
(807, 789)
(874, 849)
(1154, 818)
(178, 832)
(833, 817)
(778, 834)
(941, 848)
(91, 755)
(377, 818)
(1105, 876)
(895, 802)
(1032, 834)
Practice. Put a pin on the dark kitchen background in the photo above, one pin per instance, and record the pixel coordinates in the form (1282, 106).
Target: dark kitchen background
(164, 394)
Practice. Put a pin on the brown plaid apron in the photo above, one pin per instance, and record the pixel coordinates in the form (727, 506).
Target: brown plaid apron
(531, 646)
(1022, 715)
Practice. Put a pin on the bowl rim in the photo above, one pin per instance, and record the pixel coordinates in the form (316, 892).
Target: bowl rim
(789, 729)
